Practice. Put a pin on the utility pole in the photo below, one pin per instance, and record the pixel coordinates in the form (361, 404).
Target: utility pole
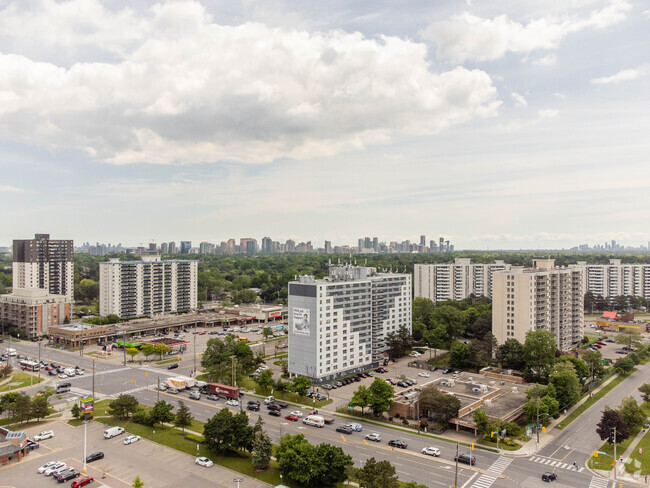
(195, 355)
(39, 360)
(615, 458)
(456, 476)
(234, 376)
(124, 345)
(158, 388)
(537, 424)
(94, 360)
(81, 343)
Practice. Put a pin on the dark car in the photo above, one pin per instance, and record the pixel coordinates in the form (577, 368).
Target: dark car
(403, 384)
(69, 475)
(320, 397)
(345, 429)
(172, 366)
(549, 477)
(397, 443)
(273, 406)
(465, 459)
(357, 379)
(275, 413)
(95, 456)
(446, 371)
(433, 368)
(255, 407)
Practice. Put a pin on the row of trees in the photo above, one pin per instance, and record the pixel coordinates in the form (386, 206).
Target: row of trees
(377, 397)
(23, 408)
(218, 356)
(125, 406)
(147, 350)
(627, 418)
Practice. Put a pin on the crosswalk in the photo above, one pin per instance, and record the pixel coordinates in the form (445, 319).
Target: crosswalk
(554, 463)
(498, 467)
(598, 482)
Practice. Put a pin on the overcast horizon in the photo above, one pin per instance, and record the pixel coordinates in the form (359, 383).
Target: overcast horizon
(495, 125)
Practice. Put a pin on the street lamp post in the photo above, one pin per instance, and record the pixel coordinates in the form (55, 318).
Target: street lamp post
(85, 423)
(195, 355)
(238, 480)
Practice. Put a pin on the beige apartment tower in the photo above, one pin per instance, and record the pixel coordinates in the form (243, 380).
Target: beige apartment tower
(541, 297)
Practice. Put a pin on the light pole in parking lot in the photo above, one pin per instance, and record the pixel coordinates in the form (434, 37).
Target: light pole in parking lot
(85, 423)
(195, 356)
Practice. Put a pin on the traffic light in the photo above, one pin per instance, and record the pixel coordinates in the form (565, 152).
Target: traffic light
(491, 435)
(472, 446)
(543, 429)
(595, 453)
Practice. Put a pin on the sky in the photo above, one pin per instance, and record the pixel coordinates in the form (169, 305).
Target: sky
(498, 125)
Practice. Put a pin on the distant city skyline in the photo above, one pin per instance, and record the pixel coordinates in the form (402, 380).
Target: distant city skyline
(499, 125)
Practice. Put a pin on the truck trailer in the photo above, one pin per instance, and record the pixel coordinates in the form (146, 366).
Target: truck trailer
(226, 391)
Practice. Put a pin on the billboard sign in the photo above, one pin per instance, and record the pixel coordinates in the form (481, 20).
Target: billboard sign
(301, 321)
(274, 315)
(87, 404)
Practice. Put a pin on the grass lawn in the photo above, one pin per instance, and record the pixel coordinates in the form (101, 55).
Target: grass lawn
(589, 402)
(281, 362)
(22, 379)
(502, 445)
(173, 438)
(167, 361)
(288, 396)
(641, 461)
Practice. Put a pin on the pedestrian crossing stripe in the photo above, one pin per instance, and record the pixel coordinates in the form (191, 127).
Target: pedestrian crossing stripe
(484, 481)
(556, 464)
(598, 482)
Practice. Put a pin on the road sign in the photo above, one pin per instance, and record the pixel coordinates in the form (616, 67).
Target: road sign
(238, 480)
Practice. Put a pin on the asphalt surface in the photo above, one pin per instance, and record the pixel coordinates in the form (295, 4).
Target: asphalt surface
(575, 443)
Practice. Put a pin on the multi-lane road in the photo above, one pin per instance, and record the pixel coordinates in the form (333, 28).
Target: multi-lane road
(574, 444)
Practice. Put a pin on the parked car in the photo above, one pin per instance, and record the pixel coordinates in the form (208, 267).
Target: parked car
(373, 437)
(465, 459)
(446, 371)
(345, 429)
(172, 366)
(444, 383)
(423, 374)
(392, 382)
(131, 439)
(82, 482)
(95, 456)
(57, 465)
(327, 386)
(431, 451)
(204, 461)
(549, 477)
(397, 443)
(610, 340)
(46, 465)
(68, 475)
(46, 434)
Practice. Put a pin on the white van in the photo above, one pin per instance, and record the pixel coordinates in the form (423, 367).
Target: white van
(315, 420)
(11, 351)
(69, 372)
(112, 432)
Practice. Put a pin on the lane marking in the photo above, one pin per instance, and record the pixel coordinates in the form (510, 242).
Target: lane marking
(366, 442)
(567, 454)
(344, 440)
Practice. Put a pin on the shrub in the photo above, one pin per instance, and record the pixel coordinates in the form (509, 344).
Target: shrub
(196, 438)
(141, 416)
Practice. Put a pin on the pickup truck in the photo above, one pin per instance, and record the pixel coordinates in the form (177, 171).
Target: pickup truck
(279, 403)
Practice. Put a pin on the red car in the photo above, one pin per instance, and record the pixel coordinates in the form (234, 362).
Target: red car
(292, 417)
(83, 482)
(601, 343)
(598, 346)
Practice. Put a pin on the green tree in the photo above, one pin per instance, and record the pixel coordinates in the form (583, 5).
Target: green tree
(242, 432)
(265, 379)
(630, 339)
(579, 365)
(645, 390)
(511, 355)
(137, 483)
(161, 349)
(147, 350)
(375, 474)
(539, 355)
(262, 450)
(566, 384)
(380, 396)
(632, 413)
(123, 406)
(438, 405)
(161, 412)
(142, 417)
(132, 352)
(360, 398)
(458, 355)
(593, 360)
(22, 408)
(301, 385)
(605, 428)
(435, 338)
(40, 408)
(217, 358)
(625, 365)
(183, 417)
(244, 296)
(451, 318)
(75, 411)
(217, 431)
(422, 310)
(482, 422)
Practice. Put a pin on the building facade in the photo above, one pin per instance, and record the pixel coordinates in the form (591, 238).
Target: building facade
(615, 279)
(457, 280)
(541, 297)
(338, 325)
(148, 287)
(34, 310)
(44, 263)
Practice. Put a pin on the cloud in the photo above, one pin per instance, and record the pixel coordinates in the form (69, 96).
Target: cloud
(625, 75)
(182, 89)
(10, 189)
(468, 37)
(520, 101)
(548, 113)
(548, 60)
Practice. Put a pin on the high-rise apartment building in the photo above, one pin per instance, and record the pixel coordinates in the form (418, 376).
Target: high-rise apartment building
(34, 310)
(615, 279)
(148, 287)
(186, 246)
(541, 297)
(457, 280)
(164, 248)
(44, 263)
(338, 324)
(172, 248)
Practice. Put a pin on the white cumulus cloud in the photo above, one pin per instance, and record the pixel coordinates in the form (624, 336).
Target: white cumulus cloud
(624, 75)
(174, 87)
(520, 101)
(469, 37)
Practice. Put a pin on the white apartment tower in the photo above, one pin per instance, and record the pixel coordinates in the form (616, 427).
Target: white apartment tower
(457, 280)
(44, 263)
(615, 279)
(148, 287)
(541, 297)
(338, 324)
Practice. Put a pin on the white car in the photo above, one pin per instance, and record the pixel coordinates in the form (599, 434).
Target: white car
(131, 439)
(79, 372)
(45, 466)
(356, 427)
(374, 437)
(431, 451)
(204, 461)
(46, 434)
(297, 413)
(54, 467)
(423, 374)
(232, 403)
(62, 376)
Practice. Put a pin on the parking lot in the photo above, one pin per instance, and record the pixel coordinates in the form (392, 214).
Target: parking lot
(158, 466)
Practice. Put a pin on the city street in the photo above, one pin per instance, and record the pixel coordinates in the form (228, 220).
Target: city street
(575, 443)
